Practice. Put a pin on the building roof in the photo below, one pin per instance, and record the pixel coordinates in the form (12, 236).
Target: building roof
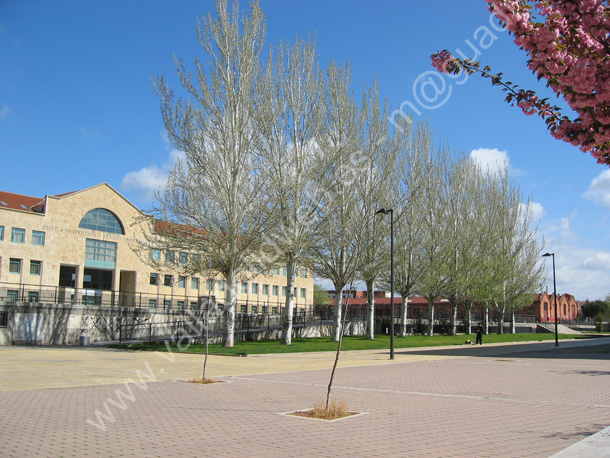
(415, 300)
(20, 202)
(37, 204)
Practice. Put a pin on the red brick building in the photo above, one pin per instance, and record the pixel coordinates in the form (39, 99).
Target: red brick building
(541, 310)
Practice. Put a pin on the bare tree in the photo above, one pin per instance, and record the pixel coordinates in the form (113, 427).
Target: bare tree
(435, 232)
(293, 161)
(376, 183)
(338, 249)
(415, 151)
(463, 218)
(218, 190)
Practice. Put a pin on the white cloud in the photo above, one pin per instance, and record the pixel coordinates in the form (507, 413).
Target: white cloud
(599, 189)
(537, 210)
(4, 111)
(582, 272)
(491, 159)
(147, 180)
(597, 261)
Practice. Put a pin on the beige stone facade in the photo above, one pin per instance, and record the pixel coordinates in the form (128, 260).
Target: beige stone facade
(79, 247)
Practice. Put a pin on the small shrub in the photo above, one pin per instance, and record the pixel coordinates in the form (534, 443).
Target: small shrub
(202, 381)
(336, 409)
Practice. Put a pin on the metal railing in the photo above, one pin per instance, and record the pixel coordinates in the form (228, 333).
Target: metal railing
(31, 293)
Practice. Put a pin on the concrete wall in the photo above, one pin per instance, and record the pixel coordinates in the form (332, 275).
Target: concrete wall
(52, 324)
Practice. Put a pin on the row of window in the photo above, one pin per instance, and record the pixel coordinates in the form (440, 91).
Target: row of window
(168, 280)
(254, 309)
(274, 290)
(16, 266)
(183, 258)
(18, 235)
(13, 296)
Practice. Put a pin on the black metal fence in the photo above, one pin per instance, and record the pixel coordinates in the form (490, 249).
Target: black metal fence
(31, 293)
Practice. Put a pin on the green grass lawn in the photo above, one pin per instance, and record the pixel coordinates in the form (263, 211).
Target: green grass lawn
(349, 343)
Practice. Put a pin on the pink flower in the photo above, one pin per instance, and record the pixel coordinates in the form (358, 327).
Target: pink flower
(442, 61)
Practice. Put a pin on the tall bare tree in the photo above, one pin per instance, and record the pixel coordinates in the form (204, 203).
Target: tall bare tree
(218, 190)
(376, 183)
(293, 161)
(434, 259)
(338, 249)
(415, 148)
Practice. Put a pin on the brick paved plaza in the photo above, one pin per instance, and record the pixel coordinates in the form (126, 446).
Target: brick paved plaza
(496, 400)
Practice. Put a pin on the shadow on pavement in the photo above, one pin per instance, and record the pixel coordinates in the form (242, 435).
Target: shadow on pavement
(583, 349)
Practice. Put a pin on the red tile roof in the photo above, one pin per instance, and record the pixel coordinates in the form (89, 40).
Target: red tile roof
(19, 202)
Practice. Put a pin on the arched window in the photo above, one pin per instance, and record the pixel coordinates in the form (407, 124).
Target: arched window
(100, 219)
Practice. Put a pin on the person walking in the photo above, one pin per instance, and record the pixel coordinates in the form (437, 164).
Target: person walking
(479, 334)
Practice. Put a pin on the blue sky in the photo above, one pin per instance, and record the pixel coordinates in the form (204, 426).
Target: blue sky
(77, 107)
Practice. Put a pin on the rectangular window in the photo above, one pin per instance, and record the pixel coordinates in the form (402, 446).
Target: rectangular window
(194, 306)
(167, 304)
(152, 303)
(209, 284)
(195, 283)
(264, 309)
(274, 310)
(12, 295)
(35, 267)
(276, 271)
(285, 271)
(181, 282)
(15, 266)
(154, 279)
(17, 235)
(38, 238)
(183, 257)
(170, 256)
(155, 255)
(180, 305)
(276, 290)
(3, 319)
(32, 296)
(254, 310)
(303, 293)
(221, 285)
(221, 307)
(265, 290)
(254, 288)
(243, 309)
(244, 287)
(284, 290)
(1, 233)
(168, 280)
(99, 253)
(303, 273)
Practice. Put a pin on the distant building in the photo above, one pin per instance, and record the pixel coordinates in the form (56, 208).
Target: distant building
(541, 310)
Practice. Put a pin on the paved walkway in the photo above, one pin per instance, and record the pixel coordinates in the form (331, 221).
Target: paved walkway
(496, 400)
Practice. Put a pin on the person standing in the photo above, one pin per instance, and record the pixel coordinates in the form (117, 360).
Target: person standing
(479, 334)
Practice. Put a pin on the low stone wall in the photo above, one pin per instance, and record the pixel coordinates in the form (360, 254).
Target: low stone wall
(65, 324)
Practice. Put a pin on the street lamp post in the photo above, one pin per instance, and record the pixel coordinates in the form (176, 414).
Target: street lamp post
(385, 211)
(554, 295)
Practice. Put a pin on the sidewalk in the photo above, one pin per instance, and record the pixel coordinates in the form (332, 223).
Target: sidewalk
(495, 400)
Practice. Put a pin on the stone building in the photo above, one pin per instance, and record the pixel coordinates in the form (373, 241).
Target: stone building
(79, 248)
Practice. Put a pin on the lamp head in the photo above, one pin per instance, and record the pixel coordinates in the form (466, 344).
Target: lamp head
(384, 211)
(546, 255)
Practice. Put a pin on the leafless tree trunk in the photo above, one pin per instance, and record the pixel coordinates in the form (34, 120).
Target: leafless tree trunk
(215, 203)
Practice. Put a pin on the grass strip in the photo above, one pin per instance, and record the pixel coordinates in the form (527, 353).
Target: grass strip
(317, 344)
